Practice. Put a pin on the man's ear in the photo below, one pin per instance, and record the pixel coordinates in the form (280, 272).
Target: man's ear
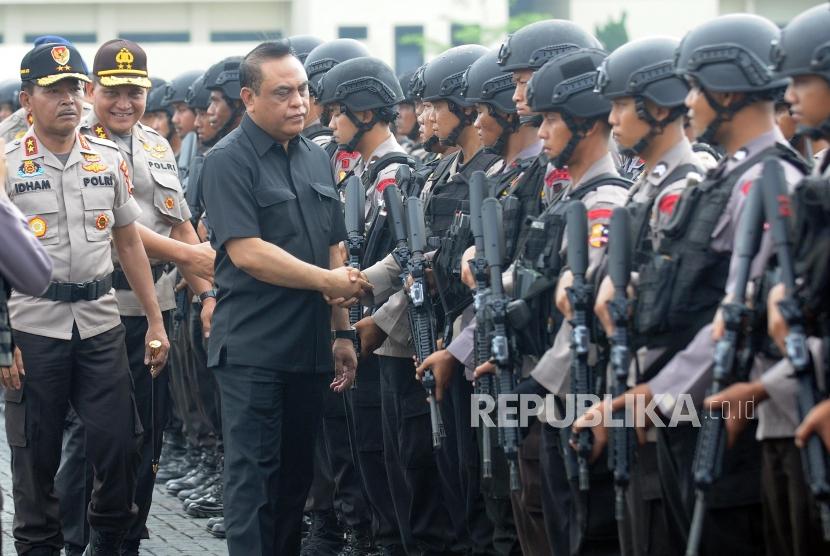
(247, 96)
(25, 99)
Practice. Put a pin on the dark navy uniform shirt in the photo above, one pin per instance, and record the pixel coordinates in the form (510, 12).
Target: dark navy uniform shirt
(253, 187)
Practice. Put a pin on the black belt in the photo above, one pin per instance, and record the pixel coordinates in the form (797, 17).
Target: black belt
(120, 282)
(73, 291)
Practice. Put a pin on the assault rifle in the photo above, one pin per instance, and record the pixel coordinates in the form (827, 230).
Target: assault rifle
(580, 295)
(355, 230)
(619, 269)
(478, 266)
(497, 314)
(421, 317)
(813, 456)
(711, 443)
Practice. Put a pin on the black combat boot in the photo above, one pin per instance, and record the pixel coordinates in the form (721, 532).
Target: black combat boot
(326, 536)
(358, 543)
(104, 543)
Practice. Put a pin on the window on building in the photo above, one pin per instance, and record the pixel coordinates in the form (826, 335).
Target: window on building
(71, 37)
(409, 48)
(357, 32)
(169, 36)
(245, 36)
(463, 33)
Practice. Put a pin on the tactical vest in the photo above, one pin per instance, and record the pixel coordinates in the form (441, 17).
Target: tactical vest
(538, 265)
(640, 215)
(450, 193)
(811, 242)
(682, 285)
(379, 241)
(524, 201)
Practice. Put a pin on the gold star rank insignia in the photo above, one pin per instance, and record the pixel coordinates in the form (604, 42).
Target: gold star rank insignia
(31, 146)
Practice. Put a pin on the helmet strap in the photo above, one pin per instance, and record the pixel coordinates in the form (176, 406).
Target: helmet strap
(464, 120)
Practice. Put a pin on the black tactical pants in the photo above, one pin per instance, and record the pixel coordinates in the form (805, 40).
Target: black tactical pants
(733, 522)
(270, 421)
(792, 526)
(206, 396)
(91, 375)
(368, 438)
(557, 501)
(416, 489)
(527, 502)
(646, 517)
(152, 402)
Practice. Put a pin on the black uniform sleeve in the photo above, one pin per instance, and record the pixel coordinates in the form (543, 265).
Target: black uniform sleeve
(226, 184)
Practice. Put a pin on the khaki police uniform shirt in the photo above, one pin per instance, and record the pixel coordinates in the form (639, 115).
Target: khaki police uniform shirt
(553, 369)
(398, 344)
(690, 371)
(157, 190)
(72, 210)
(16, 125)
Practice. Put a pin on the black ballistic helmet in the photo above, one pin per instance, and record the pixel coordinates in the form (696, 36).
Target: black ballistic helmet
(443, 76)
(403, 80)
(302, 45)
(176, 90)
(444, 80)
(416, 83)
(486, 83)
(324, 57)
(533, 45)
(224, 76)
(198, 96)
(566, 85)
(361, 84)
(804, 49)
(10, 93)
(644, 69)
(155, 102)
(731, 53)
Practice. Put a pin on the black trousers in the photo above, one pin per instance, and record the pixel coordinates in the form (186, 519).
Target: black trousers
(646, 516)
(792, 526)
(270, 421)
(91, 375)
(206, 394)
(527, 503)
(557, 500)
(416, 489)
(732, 523)
(152, 402)
(337, 483)
(368, 442)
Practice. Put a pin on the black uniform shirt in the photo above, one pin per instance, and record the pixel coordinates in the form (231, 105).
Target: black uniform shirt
(252, 187)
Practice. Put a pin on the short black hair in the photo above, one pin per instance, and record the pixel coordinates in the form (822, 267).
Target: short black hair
(250, 70)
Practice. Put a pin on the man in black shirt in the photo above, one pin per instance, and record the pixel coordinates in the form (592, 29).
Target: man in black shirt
(277, 228)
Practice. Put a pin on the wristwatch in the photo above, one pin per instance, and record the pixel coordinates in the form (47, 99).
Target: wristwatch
(209, 293)
(350, 334)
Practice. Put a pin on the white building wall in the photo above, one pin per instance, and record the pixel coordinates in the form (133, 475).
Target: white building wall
(108, 18)
(645, 17)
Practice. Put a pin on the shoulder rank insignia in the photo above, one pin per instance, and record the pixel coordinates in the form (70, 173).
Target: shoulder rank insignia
(31, 146)
(38, 226)
(100, 131)
(29, 169)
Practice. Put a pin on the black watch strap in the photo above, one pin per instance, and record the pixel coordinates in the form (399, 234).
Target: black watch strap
(210, 293)
(350, 334)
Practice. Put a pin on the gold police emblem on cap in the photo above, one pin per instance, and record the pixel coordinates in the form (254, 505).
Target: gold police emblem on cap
(60, 54)
(38, 226)
(124, 58)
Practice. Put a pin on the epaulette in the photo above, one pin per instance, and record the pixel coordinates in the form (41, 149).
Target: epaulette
(100, 141)
(12, 146)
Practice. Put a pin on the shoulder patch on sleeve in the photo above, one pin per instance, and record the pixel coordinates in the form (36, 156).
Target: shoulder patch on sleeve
(598, 214)
(599, 235)
(384, 183)
(668, 203)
